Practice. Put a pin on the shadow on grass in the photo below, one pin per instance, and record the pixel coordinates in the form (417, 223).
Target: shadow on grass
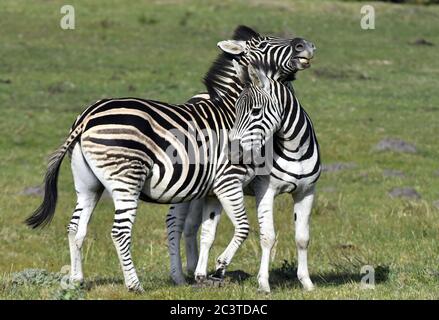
(237, 276)
(286, 276)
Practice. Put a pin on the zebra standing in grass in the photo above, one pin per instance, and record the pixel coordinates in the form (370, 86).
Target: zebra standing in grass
(296, 170)
(131, 147)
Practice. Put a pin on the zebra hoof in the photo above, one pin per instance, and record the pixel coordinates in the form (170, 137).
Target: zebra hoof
(76, 281)
(307, 284)
(201, 281)
(179, 280)
(200, 278)
(218, 275)
(264, 285)
(264, 289)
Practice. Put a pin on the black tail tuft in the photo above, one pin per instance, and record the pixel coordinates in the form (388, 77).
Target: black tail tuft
(44, 214)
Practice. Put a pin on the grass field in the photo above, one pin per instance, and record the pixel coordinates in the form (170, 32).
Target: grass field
(364, 86)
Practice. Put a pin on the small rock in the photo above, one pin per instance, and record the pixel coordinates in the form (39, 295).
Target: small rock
(436, 204)
(422, 42)
(33, 191)
(393, 173)
(405, 192)
(338, 166)
(397, 145)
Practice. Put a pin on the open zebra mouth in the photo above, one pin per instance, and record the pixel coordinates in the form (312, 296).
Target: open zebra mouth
(302, 62)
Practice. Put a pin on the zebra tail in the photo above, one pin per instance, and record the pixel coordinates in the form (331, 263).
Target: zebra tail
(45, 212)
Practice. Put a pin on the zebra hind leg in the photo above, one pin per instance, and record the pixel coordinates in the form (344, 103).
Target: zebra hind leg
(88, 190)
(191, 226)
(174, 224)
(126, 207)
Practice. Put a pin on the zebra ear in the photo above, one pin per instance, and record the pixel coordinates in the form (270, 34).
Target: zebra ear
(239, 71)
(259, 78)
(234, 47)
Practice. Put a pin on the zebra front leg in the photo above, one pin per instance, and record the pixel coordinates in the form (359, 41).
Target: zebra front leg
(126, 207)
(267, 235)
(175, 221)
(210, 220)
(233, 203)
(88, 190)
(191, 226)
(302, 212)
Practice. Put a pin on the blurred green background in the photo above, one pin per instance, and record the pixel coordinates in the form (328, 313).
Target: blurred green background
(364, 86)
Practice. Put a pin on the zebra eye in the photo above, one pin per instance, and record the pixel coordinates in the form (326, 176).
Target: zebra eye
(255, 111)
(262, 45)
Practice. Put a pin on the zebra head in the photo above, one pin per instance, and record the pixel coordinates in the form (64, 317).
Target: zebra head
(285, 56)
(258, 109)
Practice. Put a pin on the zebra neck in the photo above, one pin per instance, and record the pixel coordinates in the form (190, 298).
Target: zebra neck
(296, 127)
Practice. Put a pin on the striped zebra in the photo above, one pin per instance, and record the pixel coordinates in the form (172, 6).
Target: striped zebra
(296, 169)
(152, 151)
(286, 56)
(296, 158)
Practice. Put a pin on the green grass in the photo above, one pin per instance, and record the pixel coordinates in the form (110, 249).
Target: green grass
(363, 86)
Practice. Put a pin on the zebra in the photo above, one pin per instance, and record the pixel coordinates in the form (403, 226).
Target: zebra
(286, 56)
(296, 170)
(297, 141)
(123, 145)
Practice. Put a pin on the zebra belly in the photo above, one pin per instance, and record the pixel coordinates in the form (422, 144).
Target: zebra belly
(177, 184)
(294, 177)
(288, 177)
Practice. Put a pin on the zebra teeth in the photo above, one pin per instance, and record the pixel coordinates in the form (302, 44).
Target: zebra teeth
(304, 60)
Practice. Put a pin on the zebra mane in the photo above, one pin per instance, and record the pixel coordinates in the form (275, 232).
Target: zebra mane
(224, 61)
(244, 33)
